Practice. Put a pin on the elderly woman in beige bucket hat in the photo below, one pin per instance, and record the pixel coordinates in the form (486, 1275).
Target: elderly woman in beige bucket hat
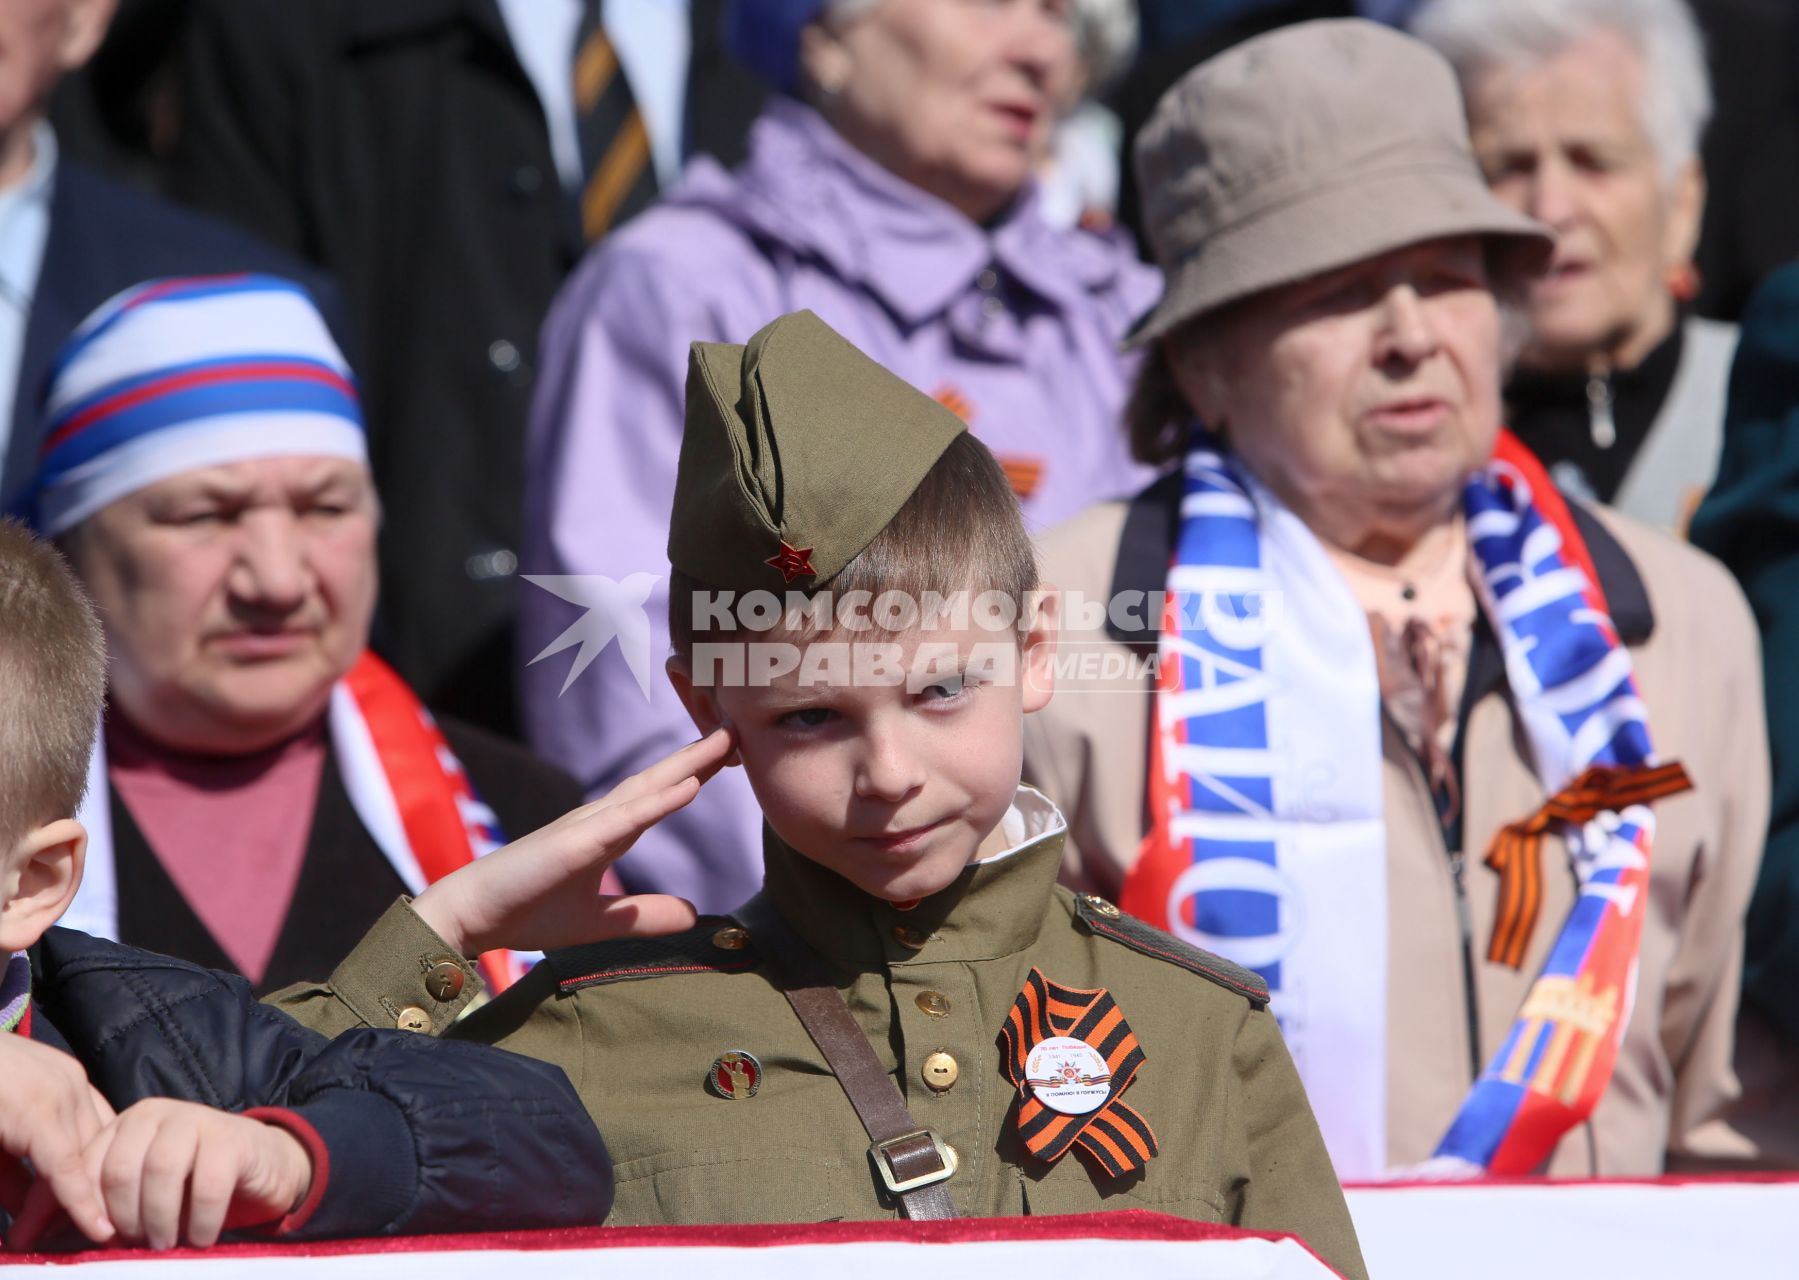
(1474, 775)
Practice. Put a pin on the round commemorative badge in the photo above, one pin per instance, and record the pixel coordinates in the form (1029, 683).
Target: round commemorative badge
(735, 1075)
(1068, 1075)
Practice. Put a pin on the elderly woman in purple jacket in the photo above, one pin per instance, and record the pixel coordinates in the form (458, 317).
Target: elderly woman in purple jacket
(888, 189)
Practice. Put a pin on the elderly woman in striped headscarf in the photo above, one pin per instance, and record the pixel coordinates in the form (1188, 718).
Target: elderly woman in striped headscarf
(265, 786)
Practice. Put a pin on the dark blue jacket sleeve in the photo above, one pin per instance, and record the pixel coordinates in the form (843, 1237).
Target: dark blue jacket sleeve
(424, 1135)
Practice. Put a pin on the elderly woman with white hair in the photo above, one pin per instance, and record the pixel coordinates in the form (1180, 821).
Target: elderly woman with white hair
(890, 188)
(1475, 776)
(1588, 115)
(1079, 180)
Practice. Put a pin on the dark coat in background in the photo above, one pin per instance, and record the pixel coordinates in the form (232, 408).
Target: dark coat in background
(402, 145)
(1751, 151)
(1750, 521)
(105, 237)
(117, 113)
(424, 1135)
(723, 96)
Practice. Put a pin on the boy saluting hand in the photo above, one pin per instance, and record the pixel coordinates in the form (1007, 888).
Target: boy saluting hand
(546, 886)
(912, 1018)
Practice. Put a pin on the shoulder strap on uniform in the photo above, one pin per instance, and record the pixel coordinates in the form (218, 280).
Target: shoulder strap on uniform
(910, 1159)
(716, 945)
(1103, 918)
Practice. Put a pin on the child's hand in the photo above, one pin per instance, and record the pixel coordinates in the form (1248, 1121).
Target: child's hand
(543, 890)
(163, 1163)
(48, 1115)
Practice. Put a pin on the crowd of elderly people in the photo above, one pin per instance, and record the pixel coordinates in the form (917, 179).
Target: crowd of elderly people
(1393, 452)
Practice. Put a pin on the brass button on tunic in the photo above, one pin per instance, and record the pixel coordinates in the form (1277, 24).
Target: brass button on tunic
(940, 1071)
(444, 980)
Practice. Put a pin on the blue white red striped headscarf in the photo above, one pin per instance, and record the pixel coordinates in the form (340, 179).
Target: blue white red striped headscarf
(175, 375)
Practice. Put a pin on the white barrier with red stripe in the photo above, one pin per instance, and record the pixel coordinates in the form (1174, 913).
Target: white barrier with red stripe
(1666, 1229)
(1738, 1228)
(1085, 1247)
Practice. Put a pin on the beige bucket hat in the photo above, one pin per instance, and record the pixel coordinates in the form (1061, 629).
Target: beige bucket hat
(1304, 150)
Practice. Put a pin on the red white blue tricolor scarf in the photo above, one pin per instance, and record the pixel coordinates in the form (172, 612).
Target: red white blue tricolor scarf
(15, 995)
(407, 787)
(1268, 841)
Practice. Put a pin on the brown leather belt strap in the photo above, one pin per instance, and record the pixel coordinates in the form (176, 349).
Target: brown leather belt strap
(912, 1161)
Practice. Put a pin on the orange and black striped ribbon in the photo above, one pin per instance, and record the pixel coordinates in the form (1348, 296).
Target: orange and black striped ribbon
(1023, 473)
(1517, 851)
(957, 403)
(1116, 1136)
(617, 178)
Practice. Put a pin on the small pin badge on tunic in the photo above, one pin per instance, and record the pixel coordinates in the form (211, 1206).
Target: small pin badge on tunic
(735, 1075)
(1068, 1075)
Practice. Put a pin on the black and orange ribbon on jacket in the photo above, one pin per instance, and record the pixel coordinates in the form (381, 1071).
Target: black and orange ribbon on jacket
(1115, 1135)
(1517, 850)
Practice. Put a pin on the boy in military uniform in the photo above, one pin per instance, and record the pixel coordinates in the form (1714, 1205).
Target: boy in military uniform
(912, 1017)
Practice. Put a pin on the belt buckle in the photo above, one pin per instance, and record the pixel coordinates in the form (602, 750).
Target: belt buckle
(899, 1186)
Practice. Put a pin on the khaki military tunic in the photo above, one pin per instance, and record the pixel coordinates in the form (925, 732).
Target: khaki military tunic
(639, 1026)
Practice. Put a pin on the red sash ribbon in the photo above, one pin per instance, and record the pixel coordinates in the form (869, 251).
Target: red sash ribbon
(430, 789)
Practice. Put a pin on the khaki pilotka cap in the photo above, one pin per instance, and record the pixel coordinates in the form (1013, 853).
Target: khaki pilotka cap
(1304, 150)
(798, 450)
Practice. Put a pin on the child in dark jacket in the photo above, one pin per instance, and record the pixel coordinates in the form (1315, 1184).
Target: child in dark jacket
(150, 1100)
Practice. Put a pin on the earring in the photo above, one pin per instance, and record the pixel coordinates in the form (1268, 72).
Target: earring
(1684, 282)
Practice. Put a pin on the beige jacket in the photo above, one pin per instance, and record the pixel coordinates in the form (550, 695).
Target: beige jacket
(1694, 646)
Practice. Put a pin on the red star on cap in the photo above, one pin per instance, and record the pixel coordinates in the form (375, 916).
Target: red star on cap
(793, 562)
